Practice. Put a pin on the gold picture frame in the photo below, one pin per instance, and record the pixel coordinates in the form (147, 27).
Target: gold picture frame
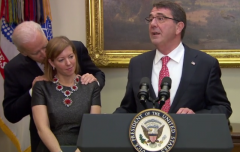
(120, 58)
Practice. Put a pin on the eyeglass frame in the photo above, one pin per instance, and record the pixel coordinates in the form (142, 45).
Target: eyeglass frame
(165, 17)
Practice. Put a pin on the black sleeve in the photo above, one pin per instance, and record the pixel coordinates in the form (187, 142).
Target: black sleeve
(16, 103)
(87, 65)
(96, 98)
(215, 94)
(128, 104)
(38, 97)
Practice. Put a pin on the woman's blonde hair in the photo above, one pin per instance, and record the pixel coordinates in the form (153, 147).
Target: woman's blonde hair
(55, 47)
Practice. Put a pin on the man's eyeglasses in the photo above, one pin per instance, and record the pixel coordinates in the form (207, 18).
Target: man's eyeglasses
(159, 19)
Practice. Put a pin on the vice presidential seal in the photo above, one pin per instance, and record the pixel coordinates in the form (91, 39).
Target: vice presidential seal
(152, 130)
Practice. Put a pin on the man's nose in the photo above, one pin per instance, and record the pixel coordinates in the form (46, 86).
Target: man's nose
(43, 52)
(153, 22)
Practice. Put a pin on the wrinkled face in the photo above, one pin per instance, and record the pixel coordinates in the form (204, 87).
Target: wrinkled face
(65, 63)
(162, 30)
(36, 48)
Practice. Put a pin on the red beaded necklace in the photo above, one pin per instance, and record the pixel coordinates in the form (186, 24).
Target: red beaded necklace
(67, 101)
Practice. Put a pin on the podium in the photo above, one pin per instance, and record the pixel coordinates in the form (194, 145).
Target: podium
(195, 133)
(69, 148)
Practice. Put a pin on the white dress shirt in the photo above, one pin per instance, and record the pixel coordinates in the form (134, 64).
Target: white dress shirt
(41, 66)
(174, 65)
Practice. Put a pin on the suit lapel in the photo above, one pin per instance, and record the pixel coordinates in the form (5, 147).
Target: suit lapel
(33, 67)
(189, 67)
(147, 72)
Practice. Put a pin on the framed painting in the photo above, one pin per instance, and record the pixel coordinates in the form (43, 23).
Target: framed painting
(116, 30)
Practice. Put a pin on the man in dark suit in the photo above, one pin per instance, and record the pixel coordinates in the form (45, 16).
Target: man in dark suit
(196, 84)
(26, 68)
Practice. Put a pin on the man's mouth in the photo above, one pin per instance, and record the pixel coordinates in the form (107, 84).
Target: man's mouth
(155, 33)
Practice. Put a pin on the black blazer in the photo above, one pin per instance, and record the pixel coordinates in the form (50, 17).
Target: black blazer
(200, 87)
(19, 75)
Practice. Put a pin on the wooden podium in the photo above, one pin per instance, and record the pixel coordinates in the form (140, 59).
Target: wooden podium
(235, 133)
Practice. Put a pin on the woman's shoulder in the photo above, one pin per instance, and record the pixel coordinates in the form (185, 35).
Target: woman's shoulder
(43, 84)
(93, 85)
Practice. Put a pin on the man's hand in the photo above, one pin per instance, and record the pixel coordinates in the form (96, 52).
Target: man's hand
(39, 78)
(87, 78)
(185, 111)
(77, 150)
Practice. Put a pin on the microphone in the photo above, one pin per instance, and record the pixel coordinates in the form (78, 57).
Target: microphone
(143, 93)
(164, 93)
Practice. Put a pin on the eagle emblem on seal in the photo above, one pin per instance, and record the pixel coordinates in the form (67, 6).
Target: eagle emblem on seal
(152, 130)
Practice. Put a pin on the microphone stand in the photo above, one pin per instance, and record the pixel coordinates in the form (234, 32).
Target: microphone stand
(154, 101)
(162, 102)
(143, 102)
(144, 98)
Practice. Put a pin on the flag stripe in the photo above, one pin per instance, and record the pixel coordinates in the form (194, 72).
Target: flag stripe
(3, 62)
(8, 48)
(2, 8)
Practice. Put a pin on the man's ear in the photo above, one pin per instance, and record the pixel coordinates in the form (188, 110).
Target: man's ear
(179, 27)
(22, 52)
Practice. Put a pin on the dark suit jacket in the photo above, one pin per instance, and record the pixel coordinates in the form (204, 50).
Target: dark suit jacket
(19, 75)
(200, 87)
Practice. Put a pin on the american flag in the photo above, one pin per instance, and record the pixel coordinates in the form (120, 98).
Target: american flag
(8, 50)
(18, 132)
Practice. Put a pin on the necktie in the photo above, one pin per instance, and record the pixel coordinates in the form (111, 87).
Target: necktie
(164, 73)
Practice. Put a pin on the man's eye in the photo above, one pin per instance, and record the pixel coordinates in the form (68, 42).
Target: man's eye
(36, 53)
(160, 18)
(150, 19)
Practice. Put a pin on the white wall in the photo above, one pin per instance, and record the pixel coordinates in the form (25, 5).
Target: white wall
(69, 20)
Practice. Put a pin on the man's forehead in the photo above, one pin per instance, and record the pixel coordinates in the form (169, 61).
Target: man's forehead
(34, 46)
(160, 11)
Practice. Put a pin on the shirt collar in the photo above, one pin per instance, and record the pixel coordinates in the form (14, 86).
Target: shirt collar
(175, 55)
(41, 66)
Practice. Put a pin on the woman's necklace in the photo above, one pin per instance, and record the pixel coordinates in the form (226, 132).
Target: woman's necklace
(67, 101)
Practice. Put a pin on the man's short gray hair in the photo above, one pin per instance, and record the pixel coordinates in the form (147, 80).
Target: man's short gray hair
(25, 32)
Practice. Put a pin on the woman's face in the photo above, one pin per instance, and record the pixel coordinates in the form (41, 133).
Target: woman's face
(65, 63)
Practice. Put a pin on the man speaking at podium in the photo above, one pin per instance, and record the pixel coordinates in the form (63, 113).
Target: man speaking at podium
(196, 84)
